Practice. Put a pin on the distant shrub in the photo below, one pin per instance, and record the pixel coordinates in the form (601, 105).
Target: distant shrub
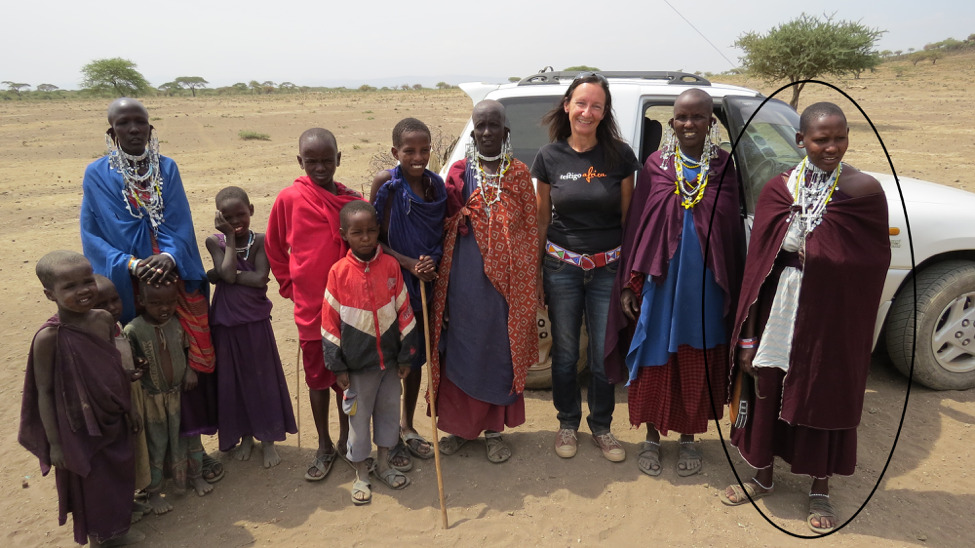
(253, 135)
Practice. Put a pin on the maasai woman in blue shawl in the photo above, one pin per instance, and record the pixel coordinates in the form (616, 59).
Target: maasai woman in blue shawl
(136, 223)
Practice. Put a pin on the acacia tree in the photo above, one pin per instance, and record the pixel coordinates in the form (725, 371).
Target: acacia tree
(287, 86)
(443, 85)
(580, 68)
(15, 86)
(170, 88)
(191, 83)
(116, 75)
(809, 47)
(47, 87)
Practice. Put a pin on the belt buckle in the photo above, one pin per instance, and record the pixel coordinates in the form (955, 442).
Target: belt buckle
(582, 262)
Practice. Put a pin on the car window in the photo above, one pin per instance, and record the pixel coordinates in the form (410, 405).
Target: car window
(525, 118)
(768, 145)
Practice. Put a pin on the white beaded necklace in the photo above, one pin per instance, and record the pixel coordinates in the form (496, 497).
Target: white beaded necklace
(812, 189)
(143, 191)
(246, 250)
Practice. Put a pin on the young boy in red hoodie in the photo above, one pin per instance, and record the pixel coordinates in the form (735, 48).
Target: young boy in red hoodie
(302, 243)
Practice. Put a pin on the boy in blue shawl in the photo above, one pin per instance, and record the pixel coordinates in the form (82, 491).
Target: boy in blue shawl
(411, 202)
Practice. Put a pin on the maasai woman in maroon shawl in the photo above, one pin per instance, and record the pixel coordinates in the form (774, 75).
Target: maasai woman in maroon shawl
(813, 278)
(691, 245)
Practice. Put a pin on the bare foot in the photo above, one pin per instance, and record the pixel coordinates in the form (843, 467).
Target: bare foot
(131, 537)
(201, 486)
(271, 457)
(243, 451)
(159, 504)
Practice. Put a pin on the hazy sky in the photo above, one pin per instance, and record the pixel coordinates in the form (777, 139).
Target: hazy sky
(315, 42)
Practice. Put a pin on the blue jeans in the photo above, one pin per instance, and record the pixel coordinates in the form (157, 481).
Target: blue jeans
(574, 294)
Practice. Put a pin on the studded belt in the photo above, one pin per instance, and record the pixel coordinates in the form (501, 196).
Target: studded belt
(584, 261)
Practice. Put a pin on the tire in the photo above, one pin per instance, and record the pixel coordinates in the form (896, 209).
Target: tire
(945, 327)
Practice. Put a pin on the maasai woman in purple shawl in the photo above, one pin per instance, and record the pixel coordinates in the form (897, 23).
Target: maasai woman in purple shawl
(813, 278)
(411, 204)
(682, 256)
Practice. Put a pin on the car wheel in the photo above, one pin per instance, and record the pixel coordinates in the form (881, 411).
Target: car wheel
(945, 327)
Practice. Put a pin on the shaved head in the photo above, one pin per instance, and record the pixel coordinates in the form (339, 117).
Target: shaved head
(54, 263)
(816, 111)
(696, 96)
(315, 135)
(124, 103)
(488, 107)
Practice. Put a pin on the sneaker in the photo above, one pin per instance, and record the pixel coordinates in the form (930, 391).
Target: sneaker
(610, 446)
(566, 443)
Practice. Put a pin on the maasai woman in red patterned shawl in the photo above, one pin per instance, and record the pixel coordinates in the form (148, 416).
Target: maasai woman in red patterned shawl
(483, 331)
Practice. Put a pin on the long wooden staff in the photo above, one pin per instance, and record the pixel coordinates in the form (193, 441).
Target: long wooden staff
(433, 403)
(298, 391)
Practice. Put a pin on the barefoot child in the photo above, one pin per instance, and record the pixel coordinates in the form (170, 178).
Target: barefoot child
(252, 392)
(302, 244)
(411, 202)
(109, 299)
(369, 340)
(157, 336)
(76, 413)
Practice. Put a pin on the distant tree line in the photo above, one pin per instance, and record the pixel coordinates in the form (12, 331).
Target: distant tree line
(120, 77)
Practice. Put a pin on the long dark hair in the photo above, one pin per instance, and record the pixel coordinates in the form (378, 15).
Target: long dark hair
(607, 132)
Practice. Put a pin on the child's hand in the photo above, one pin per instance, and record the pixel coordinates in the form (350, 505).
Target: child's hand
(404, 370)
(191, 380)
(343, 380)
(222, 224)
(57, 457)
(425, 269)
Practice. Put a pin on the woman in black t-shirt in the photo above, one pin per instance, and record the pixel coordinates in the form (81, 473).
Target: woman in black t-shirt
(585, 180)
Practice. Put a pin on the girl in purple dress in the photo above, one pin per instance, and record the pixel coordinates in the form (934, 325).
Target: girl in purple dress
(252, 393)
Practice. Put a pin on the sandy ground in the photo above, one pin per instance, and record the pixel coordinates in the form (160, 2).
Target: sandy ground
(927, 496)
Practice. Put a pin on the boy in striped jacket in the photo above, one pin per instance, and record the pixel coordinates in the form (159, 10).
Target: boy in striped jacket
(369, 341)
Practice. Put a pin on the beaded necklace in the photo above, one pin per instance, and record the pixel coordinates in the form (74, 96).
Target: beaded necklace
(246, 250)
(142, 193)
(691, 194)
(490, 184)
(814, 189)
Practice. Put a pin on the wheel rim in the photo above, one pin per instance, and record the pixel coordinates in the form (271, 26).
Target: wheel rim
(953, 339)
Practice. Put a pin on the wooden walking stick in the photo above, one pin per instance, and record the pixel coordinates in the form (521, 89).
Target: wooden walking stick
(433, 403)
(298, 392)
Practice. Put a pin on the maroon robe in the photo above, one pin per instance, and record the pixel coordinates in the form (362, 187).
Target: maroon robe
(92, 395)
(846, 260)
(652, 233)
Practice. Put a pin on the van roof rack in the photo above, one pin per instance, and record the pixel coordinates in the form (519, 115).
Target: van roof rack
(671, 77)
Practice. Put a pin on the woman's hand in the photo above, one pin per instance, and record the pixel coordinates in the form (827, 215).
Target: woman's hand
(404, 371)
(222, 224)
(157, 269)
(425, 269)
(342, 379)
(191, 379)
(630, 304)
(745, 358)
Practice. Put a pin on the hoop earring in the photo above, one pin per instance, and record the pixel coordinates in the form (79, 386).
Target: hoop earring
(669, 146)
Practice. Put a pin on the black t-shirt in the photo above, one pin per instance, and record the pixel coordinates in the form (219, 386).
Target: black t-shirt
(586, 195)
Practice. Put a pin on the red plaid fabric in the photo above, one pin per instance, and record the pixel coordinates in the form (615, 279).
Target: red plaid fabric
(675, 396)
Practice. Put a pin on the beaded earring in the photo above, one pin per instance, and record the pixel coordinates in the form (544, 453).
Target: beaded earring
(715, 137)
(669, 146)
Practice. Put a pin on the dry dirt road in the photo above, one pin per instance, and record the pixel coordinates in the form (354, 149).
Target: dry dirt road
(927, 496)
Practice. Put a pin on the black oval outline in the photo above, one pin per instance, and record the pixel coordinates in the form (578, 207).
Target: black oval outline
(910, 378)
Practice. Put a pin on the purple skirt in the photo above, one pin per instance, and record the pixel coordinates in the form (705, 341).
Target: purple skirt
(251, 388)
(810, 451)
(198, 407)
